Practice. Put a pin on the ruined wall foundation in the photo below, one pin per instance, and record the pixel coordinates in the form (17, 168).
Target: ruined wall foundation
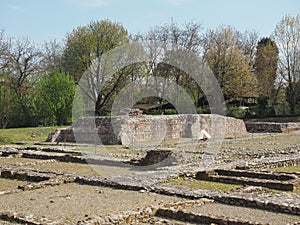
(147, 128)
(271, 127)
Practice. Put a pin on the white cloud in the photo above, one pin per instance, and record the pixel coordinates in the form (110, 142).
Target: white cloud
(90, 3)
(16, 8)
(177, 2)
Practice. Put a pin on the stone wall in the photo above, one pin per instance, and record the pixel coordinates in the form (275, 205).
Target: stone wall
(135, 129)
(271, 127)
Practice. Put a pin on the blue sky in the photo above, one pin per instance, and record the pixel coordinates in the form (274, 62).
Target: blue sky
(45, 20)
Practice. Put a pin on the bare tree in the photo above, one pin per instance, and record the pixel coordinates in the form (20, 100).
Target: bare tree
(247, 42)
(23, 61)
(5, 98)
(3, 49)
(165, 41)
(287, 37)
(52, 56)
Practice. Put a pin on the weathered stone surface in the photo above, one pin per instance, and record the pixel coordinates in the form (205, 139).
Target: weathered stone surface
(150, 178)
(129, 129)
(157, 156)
(27, 219)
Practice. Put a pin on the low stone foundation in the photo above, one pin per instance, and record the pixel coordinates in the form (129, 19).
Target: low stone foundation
(276, 181)
(136, 129)
(181, 215)
(270, 127)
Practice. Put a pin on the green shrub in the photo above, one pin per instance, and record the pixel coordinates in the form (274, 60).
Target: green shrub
(282, 109)
(55, 99)
(170, 112)
(263, 108)
(199, 110)
(237, 112)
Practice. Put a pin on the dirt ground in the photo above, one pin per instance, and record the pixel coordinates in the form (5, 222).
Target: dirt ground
(73, 202)
(243, 213)
(7, 184)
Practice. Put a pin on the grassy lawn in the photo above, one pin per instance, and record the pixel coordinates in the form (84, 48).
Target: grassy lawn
(13, 135)
(206, 185)
(297, 191)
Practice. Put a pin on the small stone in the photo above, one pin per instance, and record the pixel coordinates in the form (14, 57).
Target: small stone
(128, 220)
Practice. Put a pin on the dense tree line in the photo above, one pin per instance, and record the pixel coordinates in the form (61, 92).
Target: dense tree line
(34, 90)
(38, 81)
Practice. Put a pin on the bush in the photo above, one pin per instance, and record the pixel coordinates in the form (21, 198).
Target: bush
(263, 108)
(199, 110)
(237, 112)
(297, 111)
(282, 109)
(55, 99)
(170, 112)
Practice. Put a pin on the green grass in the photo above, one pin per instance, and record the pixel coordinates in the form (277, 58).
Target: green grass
(297, 191)
(14, 135)
(206, 185)
(278, 119)
(289, 169)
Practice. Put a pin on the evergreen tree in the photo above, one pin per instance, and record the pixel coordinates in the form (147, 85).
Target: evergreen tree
(266, 62)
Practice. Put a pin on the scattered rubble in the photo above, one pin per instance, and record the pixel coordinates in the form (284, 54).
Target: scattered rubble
(151, 170)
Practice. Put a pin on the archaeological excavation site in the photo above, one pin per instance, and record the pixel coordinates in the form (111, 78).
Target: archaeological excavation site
(171, 169)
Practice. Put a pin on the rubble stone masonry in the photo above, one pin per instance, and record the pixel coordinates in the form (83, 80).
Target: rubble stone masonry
(147, 128)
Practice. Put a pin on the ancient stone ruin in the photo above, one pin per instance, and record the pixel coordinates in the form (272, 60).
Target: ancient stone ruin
(253, 178)
(127, 129)
(272, 127)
